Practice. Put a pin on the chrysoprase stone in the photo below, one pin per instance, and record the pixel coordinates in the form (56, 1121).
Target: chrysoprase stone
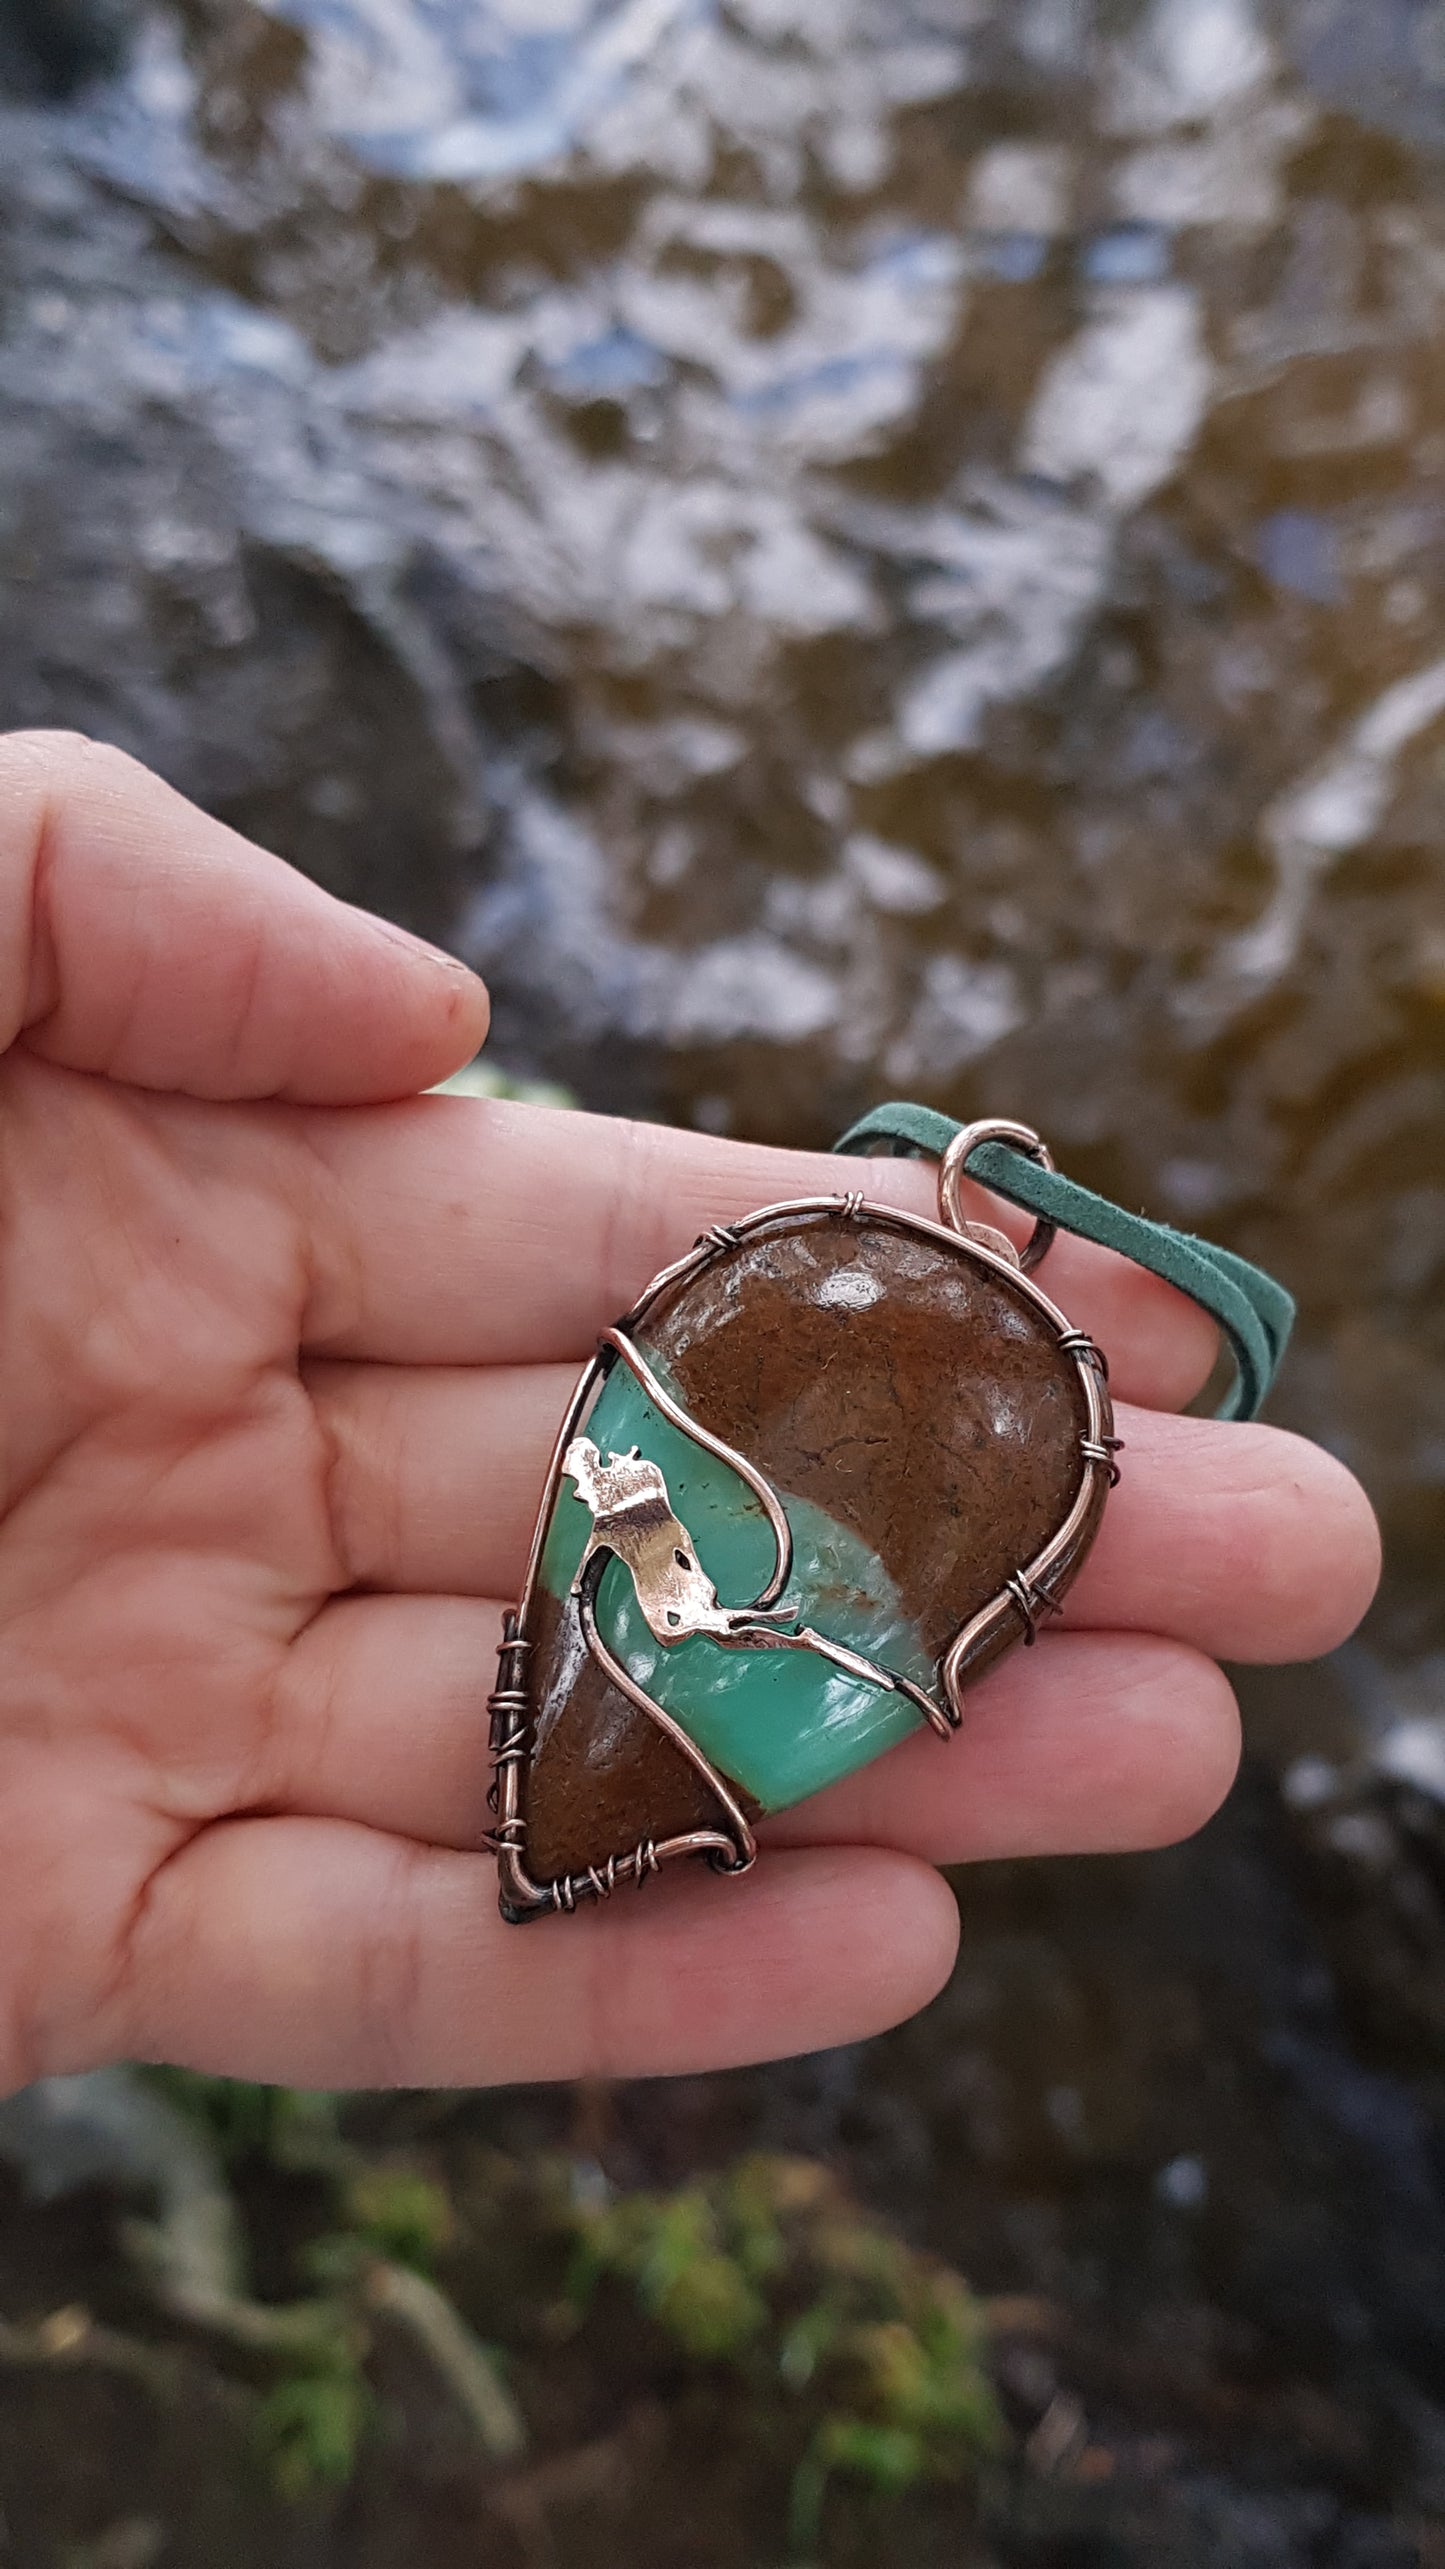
(912, 1410)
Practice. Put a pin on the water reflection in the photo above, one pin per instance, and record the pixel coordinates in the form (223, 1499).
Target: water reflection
(839, 546)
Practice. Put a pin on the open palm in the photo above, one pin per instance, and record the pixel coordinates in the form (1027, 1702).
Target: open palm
(280, 1363)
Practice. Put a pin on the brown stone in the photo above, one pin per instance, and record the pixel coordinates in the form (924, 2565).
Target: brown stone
(602, 1775)
(915, 1393)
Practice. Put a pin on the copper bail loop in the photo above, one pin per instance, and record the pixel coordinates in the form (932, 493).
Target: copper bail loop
(1019, 1137)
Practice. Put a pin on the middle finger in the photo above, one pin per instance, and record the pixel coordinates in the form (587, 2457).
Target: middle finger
(1245, 1541)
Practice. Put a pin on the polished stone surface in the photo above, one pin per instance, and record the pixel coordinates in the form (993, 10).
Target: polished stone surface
(910, 1407)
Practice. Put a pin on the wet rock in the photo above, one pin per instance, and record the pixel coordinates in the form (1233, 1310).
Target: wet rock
(187, 566)
(1371, 1832)
(50, 48)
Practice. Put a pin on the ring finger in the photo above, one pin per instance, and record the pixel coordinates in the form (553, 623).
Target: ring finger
(1093, 1742)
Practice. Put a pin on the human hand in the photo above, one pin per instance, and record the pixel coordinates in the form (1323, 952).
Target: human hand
(279, 1371)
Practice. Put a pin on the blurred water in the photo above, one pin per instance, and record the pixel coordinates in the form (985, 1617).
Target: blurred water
(838, 547)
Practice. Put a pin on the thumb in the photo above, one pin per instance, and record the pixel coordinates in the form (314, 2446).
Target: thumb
(144, 941)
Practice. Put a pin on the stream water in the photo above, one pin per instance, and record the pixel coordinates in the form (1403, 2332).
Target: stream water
(858, 547)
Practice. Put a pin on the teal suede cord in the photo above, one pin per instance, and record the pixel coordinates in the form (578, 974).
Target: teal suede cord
(1255, 1314)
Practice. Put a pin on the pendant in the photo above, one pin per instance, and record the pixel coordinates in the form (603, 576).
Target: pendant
(829, 1468)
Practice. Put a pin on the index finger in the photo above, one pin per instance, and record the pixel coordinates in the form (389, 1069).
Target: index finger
(476, 1231)
(144, 942)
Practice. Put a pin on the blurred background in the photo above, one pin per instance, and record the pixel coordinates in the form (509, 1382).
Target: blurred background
(835, 548)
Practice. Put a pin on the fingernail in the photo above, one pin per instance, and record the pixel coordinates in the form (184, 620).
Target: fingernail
(419, 946)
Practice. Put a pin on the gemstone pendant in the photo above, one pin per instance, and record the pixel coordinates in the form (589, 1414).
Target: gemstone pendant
(831, 1466)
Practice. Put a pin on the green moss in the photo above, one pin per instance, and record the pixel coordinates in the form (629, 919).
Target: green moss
(310, 2426)
(675, 2251)
(814, 2330)
(771, 2269)
(401, 2214)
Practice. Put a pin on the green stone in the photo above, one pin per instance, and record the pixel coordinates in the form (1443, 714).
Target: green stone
(782, 1723)
(909, 1405)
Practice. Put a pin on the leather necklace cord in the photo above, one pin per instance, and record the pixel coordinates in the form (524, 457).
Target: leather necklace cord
(1254, 1312)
